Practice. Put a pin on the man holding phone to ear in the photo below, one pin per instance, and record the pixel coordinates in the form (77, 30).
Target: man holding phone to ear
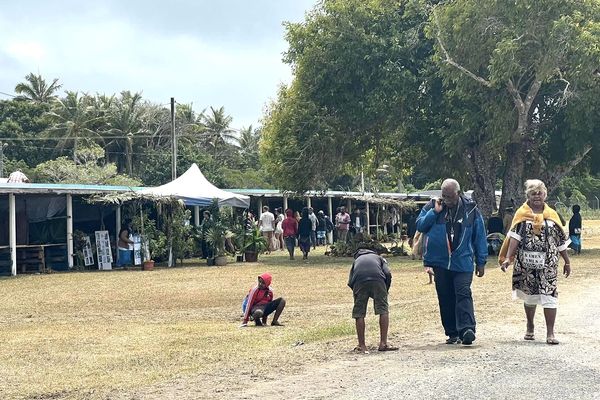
(455, 240)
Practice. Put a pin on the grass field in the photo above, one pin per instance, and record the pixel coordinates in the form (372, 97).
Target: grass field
(99, 334)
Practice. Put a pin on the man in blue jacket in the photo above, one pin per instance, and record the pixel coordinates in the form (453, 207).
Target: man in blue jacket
(454, 241)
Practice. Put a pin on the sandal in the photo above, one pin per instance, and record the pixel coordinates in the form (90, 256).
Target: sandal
(359, 350)
(552, 341)
(387, 347)
(529, 336)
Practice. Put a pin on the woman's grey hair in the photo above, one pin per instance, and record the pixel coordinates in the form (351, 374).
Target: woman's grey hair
(535, 185)
(451, 183)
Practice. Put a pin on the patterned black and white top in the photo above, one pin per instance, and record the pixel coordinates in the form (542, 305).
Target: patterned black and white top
(536, 262)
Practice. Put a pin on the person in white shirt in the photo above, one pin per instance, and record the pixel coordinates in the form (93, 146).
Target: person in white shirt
(314, 222)
(267, 226)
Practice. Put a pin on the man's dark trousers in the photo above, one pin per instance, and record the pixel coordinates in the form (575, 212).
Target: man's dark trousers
(455, 300)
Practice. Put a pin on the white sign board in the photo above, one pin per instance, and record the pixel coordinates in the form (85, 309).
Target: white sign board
(104, 252)
(137, 250)
(88, 256)
(534, 259)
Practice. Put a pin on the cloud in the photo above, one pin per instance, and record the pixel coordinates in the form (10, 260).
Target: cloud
(209, 53)
(26, 51)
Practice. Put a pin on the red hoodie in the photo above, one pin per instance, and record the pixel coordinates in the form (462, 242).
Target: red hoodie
(257, 296)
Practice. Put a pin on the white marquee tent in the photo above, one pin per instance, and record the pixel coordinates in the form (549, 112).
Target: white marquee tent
(195, 190)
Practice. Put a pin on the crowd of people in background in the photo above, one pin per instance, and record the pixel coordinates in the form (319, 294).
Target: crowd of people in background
(306, 229)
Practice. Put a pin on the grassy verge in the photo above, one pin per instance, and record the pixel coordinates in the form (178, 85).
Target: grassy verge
(87, 335)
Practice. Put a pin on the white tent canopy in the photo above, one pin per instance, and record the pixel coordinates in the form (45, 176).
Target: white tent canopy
(195, 190)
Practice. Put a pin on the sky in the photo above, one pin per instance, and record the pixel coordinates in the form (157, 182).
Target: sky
(208, 53)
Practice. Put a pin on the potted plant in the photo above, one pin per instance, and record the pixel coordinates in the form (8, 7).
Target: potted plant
(216, 236)
(251, 242)
(148, 264)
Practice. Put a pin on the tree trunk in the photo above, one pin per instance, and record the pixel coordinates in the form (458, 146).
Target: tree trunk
(512, 180)
(512, 190)
(129, 157)
(483, 178)
(75, 150)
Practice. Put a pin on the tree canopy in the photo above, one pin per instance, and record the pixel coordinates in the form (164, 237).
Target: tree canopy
(483, 91)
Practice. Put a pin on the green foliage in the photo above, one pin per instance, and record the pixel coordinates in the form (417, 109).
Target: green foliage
(177, 229)
(355, 84)
(251, 241)
(25, 120)
(216, 236)
(156, 239)
(86, 171)
(359, 241)
(134, 133)
(37, 90)
(506, 60)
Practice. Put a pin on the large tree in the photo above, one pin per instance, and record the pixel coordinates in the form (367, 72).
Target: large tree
(542, 55)
(356, 84)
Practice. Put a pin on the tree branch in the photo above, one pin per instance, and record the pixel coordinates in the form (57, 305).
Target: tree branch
(566, 93)
(450, 61)
(553, 177)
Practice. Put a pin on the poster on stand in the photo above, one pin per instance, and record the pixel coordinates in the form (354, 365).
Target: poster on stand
(88, 255)
(104, 251)
(137, 250)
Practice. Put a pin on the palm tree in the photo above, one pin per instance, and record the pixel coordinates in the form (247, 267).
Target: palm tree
(248, 143)
(37, 90)
(125, 121)
(218, 134)
(188, 125)
(72, 119)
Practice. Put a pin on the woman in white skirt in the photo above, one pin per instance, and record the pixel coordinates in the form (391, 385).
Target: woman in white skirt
(535, 241)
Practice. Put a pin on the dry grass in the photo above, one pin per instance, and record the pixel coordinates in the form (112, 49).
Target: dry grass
(96, 335)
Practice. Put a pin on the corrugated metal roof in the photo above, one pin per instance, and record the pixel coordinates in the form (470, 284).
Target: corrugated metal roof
(58, 188)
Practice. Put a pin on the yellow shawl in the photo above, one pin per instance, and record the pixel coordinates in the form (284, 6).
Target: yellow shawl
(525, 213)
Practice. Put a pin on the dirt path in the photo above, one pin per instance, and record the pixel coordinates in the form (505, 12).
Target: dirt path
(500, 365)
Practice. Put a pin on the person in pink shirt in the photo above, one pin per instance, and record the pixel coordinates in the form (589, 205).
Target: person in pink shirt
(342, 224)
(290, 231)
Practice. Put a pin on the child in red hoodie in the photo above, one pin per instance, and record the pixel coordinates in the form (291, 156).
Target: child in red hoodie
(260, 303)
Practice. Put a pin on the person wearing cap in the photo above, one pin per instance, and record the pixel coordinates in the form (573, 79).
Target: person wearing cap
(370, 278)
(259, 303)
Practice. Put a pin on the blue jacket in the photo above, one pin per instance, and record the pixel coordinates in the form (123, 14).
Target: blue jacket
(472, 247)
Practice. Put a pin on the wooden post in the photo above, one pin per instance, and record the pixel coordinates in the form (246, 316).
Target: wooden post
(197, 215)
(118, 220)
(259, 207)
(377, 223)
(367, 210)
(308, 202)
(285, 203)
(70, 230)
(141, 219)
(330, 208)
(384, 224)
(118, 228)
(12, 229)
(348, 206)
